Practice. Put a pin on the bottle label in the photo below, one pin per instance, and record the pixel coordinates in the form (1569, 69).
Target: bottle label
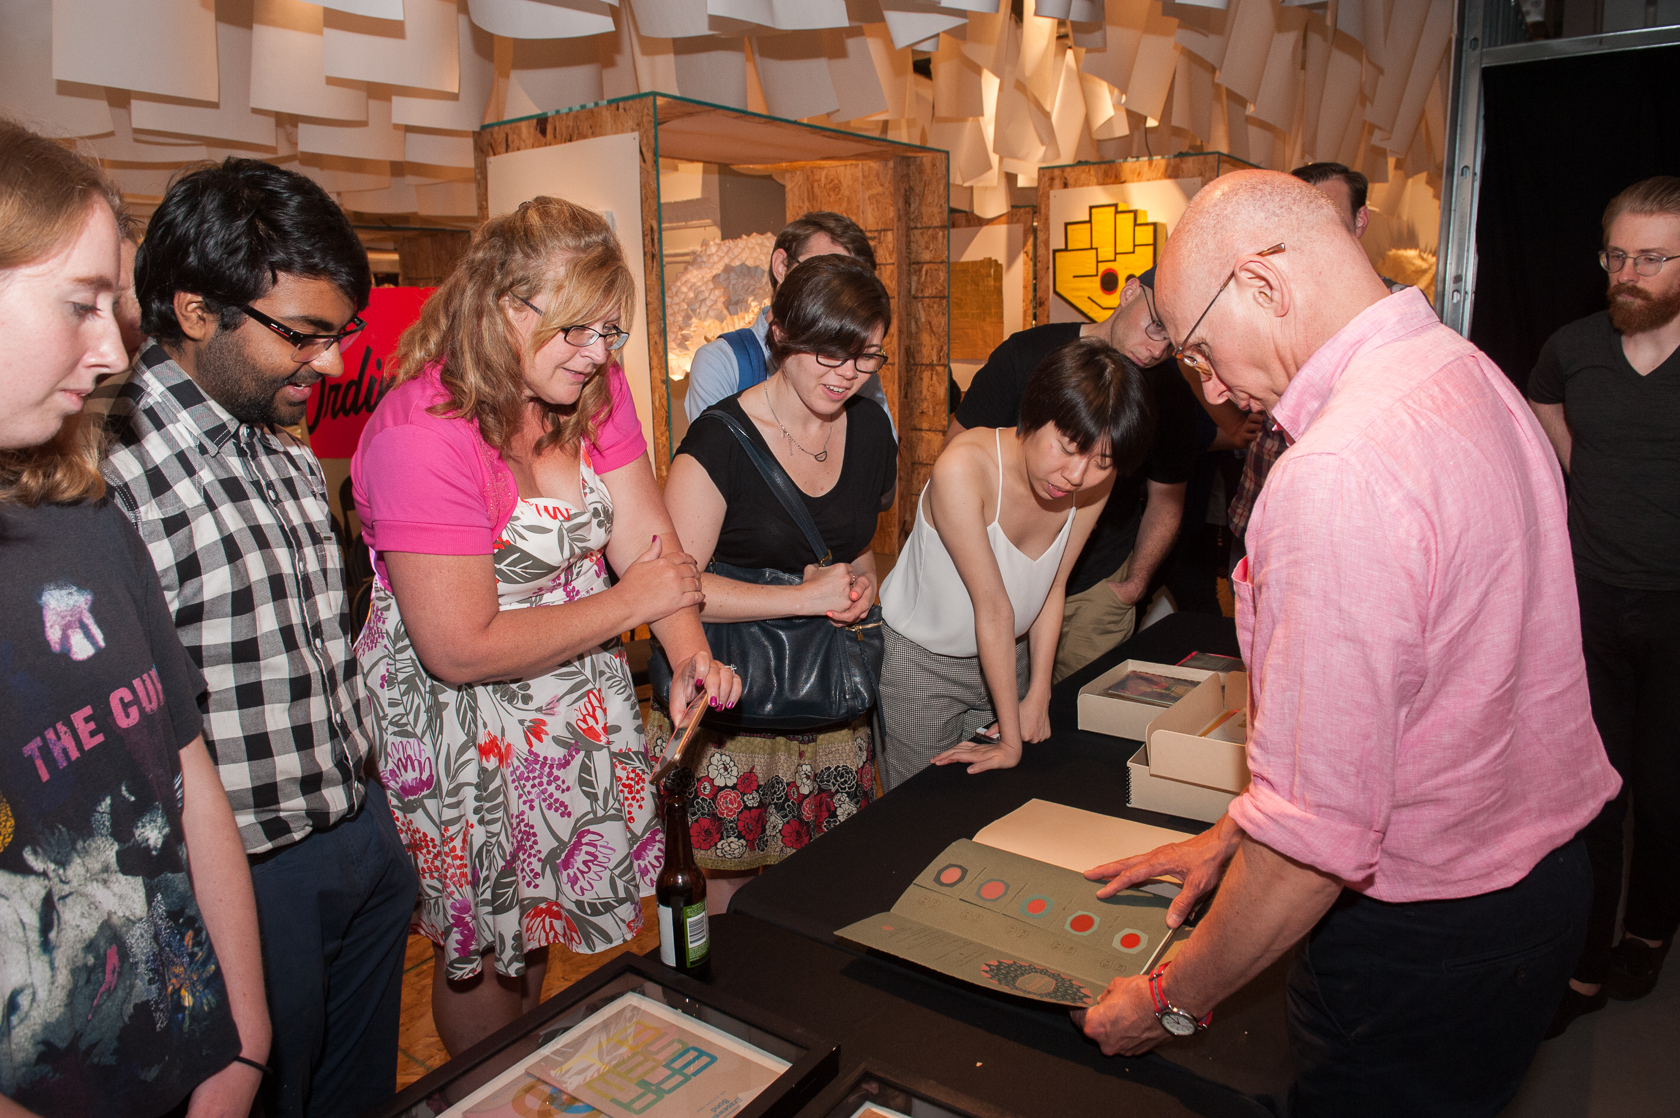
(667, 940)
(684, 931)
(699, 933)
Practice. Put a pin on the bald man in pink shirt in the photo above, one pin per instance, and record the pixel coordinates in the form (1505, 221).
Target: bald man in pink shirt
(1421, 746)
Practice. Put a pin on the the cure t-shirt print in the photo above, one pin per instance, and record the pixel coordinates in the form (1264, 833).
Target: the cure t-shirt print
(112, 997)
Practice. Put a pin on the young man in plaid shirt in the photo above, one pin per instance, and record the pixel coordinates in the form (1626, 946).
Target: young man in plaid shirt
(249, 281)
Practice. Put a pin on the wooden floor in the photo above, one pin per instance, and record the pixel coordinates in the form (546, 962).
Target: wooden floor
(418, 1048)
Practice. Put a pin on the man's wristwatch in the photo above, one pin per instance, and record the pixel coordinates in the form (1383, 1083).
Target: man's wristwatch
(1176, 1021)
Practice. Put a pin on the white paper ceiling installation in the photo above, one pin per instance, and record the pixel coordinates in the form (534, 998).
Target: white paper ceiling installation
(378, 98)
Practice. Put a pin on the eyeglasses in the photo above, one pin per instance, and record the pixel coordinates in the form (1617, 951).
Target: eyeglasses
(1646, 263)
(1195, 359)
(1156, 330)
(307, 348)
(863, 362)
(583, 336)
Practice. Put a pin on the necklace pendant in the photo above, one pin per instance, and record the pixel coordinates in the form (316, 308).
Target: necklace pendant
(821, 456)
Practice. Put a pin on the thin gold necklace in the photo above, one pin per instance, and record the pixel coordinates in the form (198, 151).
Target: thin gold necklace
(821, 455)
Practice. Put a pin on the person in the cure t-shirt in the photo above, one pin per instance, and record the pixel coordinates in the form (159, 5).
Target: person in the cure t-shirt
(132, 975)
(1607, 391)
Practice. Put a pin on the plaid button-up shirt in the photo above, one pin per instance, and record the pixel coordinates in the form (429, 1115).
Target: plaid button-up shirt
(236, 519)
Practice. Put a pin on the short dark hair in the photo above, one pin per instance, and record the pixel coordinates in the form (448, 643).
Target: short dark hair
(227, 232)
(839, 228)
(1094, 395)
(1359, 187)
(829, 305)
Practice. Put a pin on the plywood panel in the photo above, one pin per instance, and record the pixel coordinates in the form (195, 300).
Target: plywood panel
(976, 309)
(1026, 217)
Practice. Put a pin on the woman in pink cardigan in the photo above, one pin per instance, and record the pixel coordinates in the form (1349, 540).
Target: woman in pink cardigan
(495, 484)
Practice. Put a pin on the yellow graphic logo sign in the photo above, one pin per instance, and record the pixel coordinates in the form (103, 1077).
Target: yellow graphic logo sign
(1102, 251)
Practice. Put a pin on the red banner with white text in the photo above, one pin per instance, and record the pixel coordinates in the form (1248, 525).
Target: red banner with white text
(341, 405)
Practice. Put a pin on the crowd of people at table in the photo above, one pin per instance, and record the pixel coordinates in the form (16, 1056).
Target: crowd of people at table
(211, 856)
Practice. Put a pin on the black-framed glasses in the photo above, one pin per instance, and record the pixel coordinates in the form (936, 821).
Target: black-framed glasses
(1194, 358)
(307, 347)
(583, 336)
(863, 362)
(1645, 263)
(1155, 330)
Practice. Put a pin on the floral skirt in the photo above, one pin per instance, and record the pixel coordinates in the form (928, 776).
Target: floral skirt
(755, 798)
(524, 805)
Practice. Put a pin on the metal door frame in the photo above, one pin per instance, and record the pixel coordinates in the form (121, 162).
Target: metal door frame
(1486, 34)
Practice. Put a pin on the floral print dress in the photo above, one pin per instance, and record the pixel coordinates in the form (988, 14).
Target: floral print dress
(525, 803)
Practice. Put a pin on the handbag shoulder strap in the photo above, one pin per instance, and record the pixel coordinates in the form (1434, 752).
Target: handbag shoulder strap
(779, 482)
(749, 357)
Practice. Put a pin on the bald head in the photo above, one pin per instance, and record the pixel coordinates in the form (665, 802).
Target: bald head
(1278, 309)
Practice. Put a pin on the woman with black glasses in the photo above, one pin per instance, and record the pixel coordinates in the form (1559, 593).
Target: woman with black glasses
(760, 795)
(496, 483)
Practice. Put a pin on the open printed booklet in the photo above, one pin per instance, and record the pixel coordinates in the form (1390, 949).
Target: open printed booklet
(1005, 922)
(634, 1058)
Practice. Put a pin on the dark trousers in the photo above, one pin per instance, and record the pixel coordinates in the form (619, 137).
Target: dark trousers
(1632, 643)
(335, 911)
(1434, 1007)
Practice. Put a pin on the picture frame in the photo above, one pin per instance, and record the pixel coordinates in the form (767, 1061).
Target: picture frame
(746, 1036)
(872, 1088)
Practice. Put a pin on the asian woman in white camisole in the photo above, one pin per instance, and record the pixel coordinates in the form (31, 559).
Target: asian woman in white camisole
(973, 606)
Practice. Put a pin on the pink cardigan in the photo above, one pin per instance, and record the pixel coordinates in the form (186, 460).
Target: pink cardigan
(432, 485)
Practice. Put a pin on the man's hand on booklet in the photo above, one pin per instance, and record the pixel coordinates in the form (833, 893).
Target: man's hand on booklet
(1198, 863)
(1123, 1022)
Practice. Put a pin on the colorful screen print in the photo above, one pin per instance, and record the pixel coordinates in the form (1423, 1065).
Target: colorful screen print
(631, 1059)
(1010, 923)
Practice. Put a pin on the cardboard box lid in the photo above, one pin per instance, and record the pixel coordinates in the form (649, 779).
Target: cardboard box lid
(1177, 752)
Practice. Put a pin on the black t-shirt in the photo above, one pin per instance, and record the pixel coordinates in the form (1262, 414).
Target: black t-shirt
(994, 400)
(757, 531)
(1624, 467)
(116, 1004)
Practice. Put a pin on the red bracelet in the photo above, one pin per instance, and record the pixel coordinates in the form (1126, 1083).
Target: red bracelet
(1158, 997)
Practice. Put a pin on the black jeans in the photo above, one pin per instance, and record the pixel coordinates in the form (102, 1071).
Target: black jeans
(1434, 1007)
(335, 911)
(1632, 643)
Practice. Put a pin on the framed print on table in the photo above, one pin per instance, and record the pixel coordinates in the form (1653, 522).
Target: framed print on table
(873, 1089)
(633, 1040)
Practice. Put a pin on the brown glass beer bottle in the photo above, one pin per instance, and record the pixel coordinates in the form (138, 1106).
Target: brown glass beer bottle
(684, 938)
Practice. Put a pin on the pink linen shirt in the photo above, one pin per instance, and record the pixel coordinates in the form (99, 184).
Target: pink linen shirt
(1420, 726)
(431, 484)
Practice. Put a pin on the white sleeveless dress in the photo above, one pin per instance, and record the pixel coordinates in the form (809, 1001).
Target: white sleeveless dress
(933, 693)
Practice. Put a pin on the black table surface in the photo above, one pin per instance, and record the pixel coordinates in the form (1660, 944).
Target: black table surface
(876, 1004)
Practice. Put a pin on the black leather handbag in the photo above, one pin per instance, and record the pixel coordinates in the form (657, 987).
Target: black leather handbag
(797, 673)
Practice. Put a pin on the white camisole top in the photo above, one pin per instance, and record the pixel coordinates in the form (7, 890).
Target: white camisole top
(925, 599)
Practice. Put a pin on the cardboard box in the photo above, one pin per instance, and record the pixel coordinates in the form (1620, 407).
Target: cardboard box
(1182, 773)
(1126, 718)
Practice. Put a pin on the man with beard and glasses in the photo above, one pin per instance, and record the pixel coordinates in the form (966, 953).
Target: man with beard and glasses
(250, 281)
(1607, 391)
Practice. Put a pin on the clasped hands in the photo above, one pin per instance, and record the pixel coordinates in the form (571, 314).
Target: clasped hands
(838, 592)
(1123, 1021)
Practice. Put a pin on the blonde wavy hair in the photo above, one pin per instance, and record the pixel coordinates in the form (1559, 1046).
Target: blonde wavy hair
(45, 189)
(560, 256)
